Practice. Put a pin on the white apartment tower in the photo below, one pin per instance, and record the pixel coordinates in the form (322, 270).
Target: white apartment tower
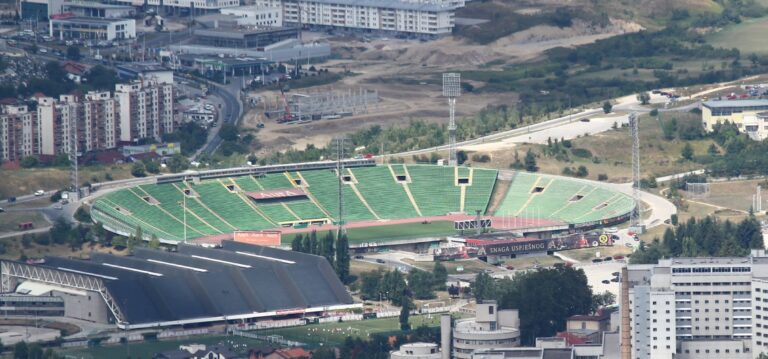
(145, 110)
(700, 308)
(421, 17)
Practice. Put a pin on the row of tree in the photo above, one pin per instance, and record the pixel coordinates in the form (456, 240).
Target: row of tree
(544, 297)
(395, 286)
(334, 249)
(706, 237)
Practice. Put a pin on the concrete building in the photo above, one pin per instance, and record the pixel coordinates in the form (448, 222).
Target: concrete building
(244, 37)
(57, 123)
(421, 17)
(146, 110)
(98, 10)
(733, 111)
(491, 328)
(40, 9)
(18, 132)
(416, 351)
(88, 28)
(700, 307)
(191, 6)
(100, 128)
(262, 16)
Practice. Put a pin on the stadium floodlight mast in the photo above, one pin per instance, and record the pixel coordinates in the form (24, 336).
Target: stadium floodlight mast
(339, 149)
(635, 218)
(452, 90)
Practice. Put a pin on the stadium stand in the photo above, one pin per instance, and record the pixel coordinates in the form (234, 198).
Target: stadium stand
(560, 198)
(155, 288)
(375, 192)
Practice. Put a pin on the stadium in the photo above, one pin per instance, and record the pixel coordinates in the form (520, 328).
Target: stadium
(213, 205)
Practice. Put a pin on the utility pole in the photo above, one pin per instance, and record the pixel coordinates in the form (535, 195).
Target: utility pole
(635, 219)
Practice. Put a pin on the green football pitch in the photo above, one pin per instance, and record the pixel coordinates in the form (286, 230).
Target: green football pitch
(390, 232)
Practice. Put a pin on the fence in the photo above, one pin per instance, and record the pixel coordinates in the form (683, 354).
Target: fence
(268, 338)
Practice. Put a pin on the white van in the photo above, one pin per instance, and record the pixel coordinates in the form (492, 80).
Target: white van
(39, 192)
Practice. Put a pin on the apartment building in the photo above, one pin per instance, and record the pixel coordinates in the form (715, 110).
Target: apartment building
(417, 17)
(145, 110)
(256, 15)
(18, 132)
(700, 307)
(96, 121)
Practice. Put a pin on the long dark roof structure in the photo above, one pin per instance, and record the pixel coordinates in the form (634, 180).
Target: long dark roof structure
(197, 284)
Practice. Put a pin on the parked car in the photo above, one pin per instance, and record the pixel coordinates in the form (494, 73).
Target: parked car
(597, 260)
(606, 281)
(11, 199)
(608, 259)
(2, 210)
(359, 257)
(615, 274)
(510, 268)
(618, 258)
(39, 193)
(379, 260)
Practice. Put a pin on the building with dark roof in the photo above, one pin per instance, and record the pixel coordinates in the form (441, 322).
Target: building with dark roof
(237, 283)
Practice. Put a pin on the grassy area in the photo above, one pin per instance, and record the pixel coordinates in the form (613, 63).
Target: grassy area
(745, 36)
(587, 254)
(468, 266)
(27, 181)
(9, 221)
(147, 350)
(527, 262)
(334, 333)
(392, 232)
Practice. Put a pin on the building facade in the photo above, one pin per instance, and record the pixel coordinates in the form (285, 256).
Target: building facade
(96, 121)
(99, 10)
(402, 16)
(417, 351)
(491, 328)
(733, 111)
(145, 110)
(256, 15)
(88, 28)
(700, 307)
(18, 133)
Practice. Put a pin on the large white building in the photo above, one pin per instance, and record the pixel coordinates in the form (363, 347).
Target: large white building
(145, 110)
(18, 132)
(91, 28)
(490, 328)
(700, 308)
(256, 15)
(420, 17)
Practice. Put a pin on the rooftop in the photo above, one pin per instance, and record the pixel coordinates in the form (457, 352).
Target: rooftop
(735, 103)
(89, 20)
(199, 284)
(391, 4)
(96, 5)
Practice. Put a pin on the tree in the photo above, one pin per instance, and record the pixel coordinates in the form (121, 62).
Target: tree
(120, 242)
(151, 166)
(607, 107)
(530, 161)
(228, 132)
(28, 162)
(461, 157)
(421, 283)
(643, 97)
(138, 170)
(483, 287)
(102, 78)
(342, 258)
(296, 243)
(154, 243)
(712, 150)
(439, 276)
(687, 152)
(582, 171)
(73, 53)
(324, 353)
(602, 300)
(370, 284)
(177, 163)
(405, 313)
(21, 350)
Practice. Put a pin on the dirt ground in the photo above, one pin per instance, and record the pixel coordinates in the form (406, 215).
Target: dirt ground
(407, 76)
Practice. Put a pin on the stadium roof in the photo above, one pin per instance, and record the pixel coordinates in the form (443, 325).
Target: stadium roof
(199, 284)
(735, 103)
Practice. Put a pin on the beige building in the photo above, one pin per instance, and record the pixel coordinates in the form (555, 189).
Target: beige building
(416, 351)
(18, 132)
(145, 110)
(491, 328)
(733, 111)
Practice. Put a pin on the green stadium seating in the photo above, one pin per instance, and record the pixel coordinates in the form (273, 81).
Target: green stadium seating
(274, 181)
(230, 206)
(479, 193)
(277, 213)
(324, 186)
(306, 209)
(434, 189)
(386, 196)
(171, 200)
(518, 194)
(248, 184)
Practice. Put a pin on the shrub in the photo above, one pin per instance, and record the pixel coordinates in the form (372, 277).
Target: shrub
(581, 152)
(602, 177)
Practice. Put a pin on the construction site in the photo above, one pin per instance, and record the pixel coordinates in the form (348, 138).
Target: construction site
(319, 105)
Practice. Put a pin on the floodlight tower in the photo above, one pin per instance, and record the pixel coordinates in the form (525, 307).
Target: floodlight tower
(633, 125)
(452, 90)
(339, 144)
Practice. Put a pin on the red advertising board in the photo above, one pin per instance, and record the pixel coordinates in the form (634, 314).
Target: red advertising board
(261, 238)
